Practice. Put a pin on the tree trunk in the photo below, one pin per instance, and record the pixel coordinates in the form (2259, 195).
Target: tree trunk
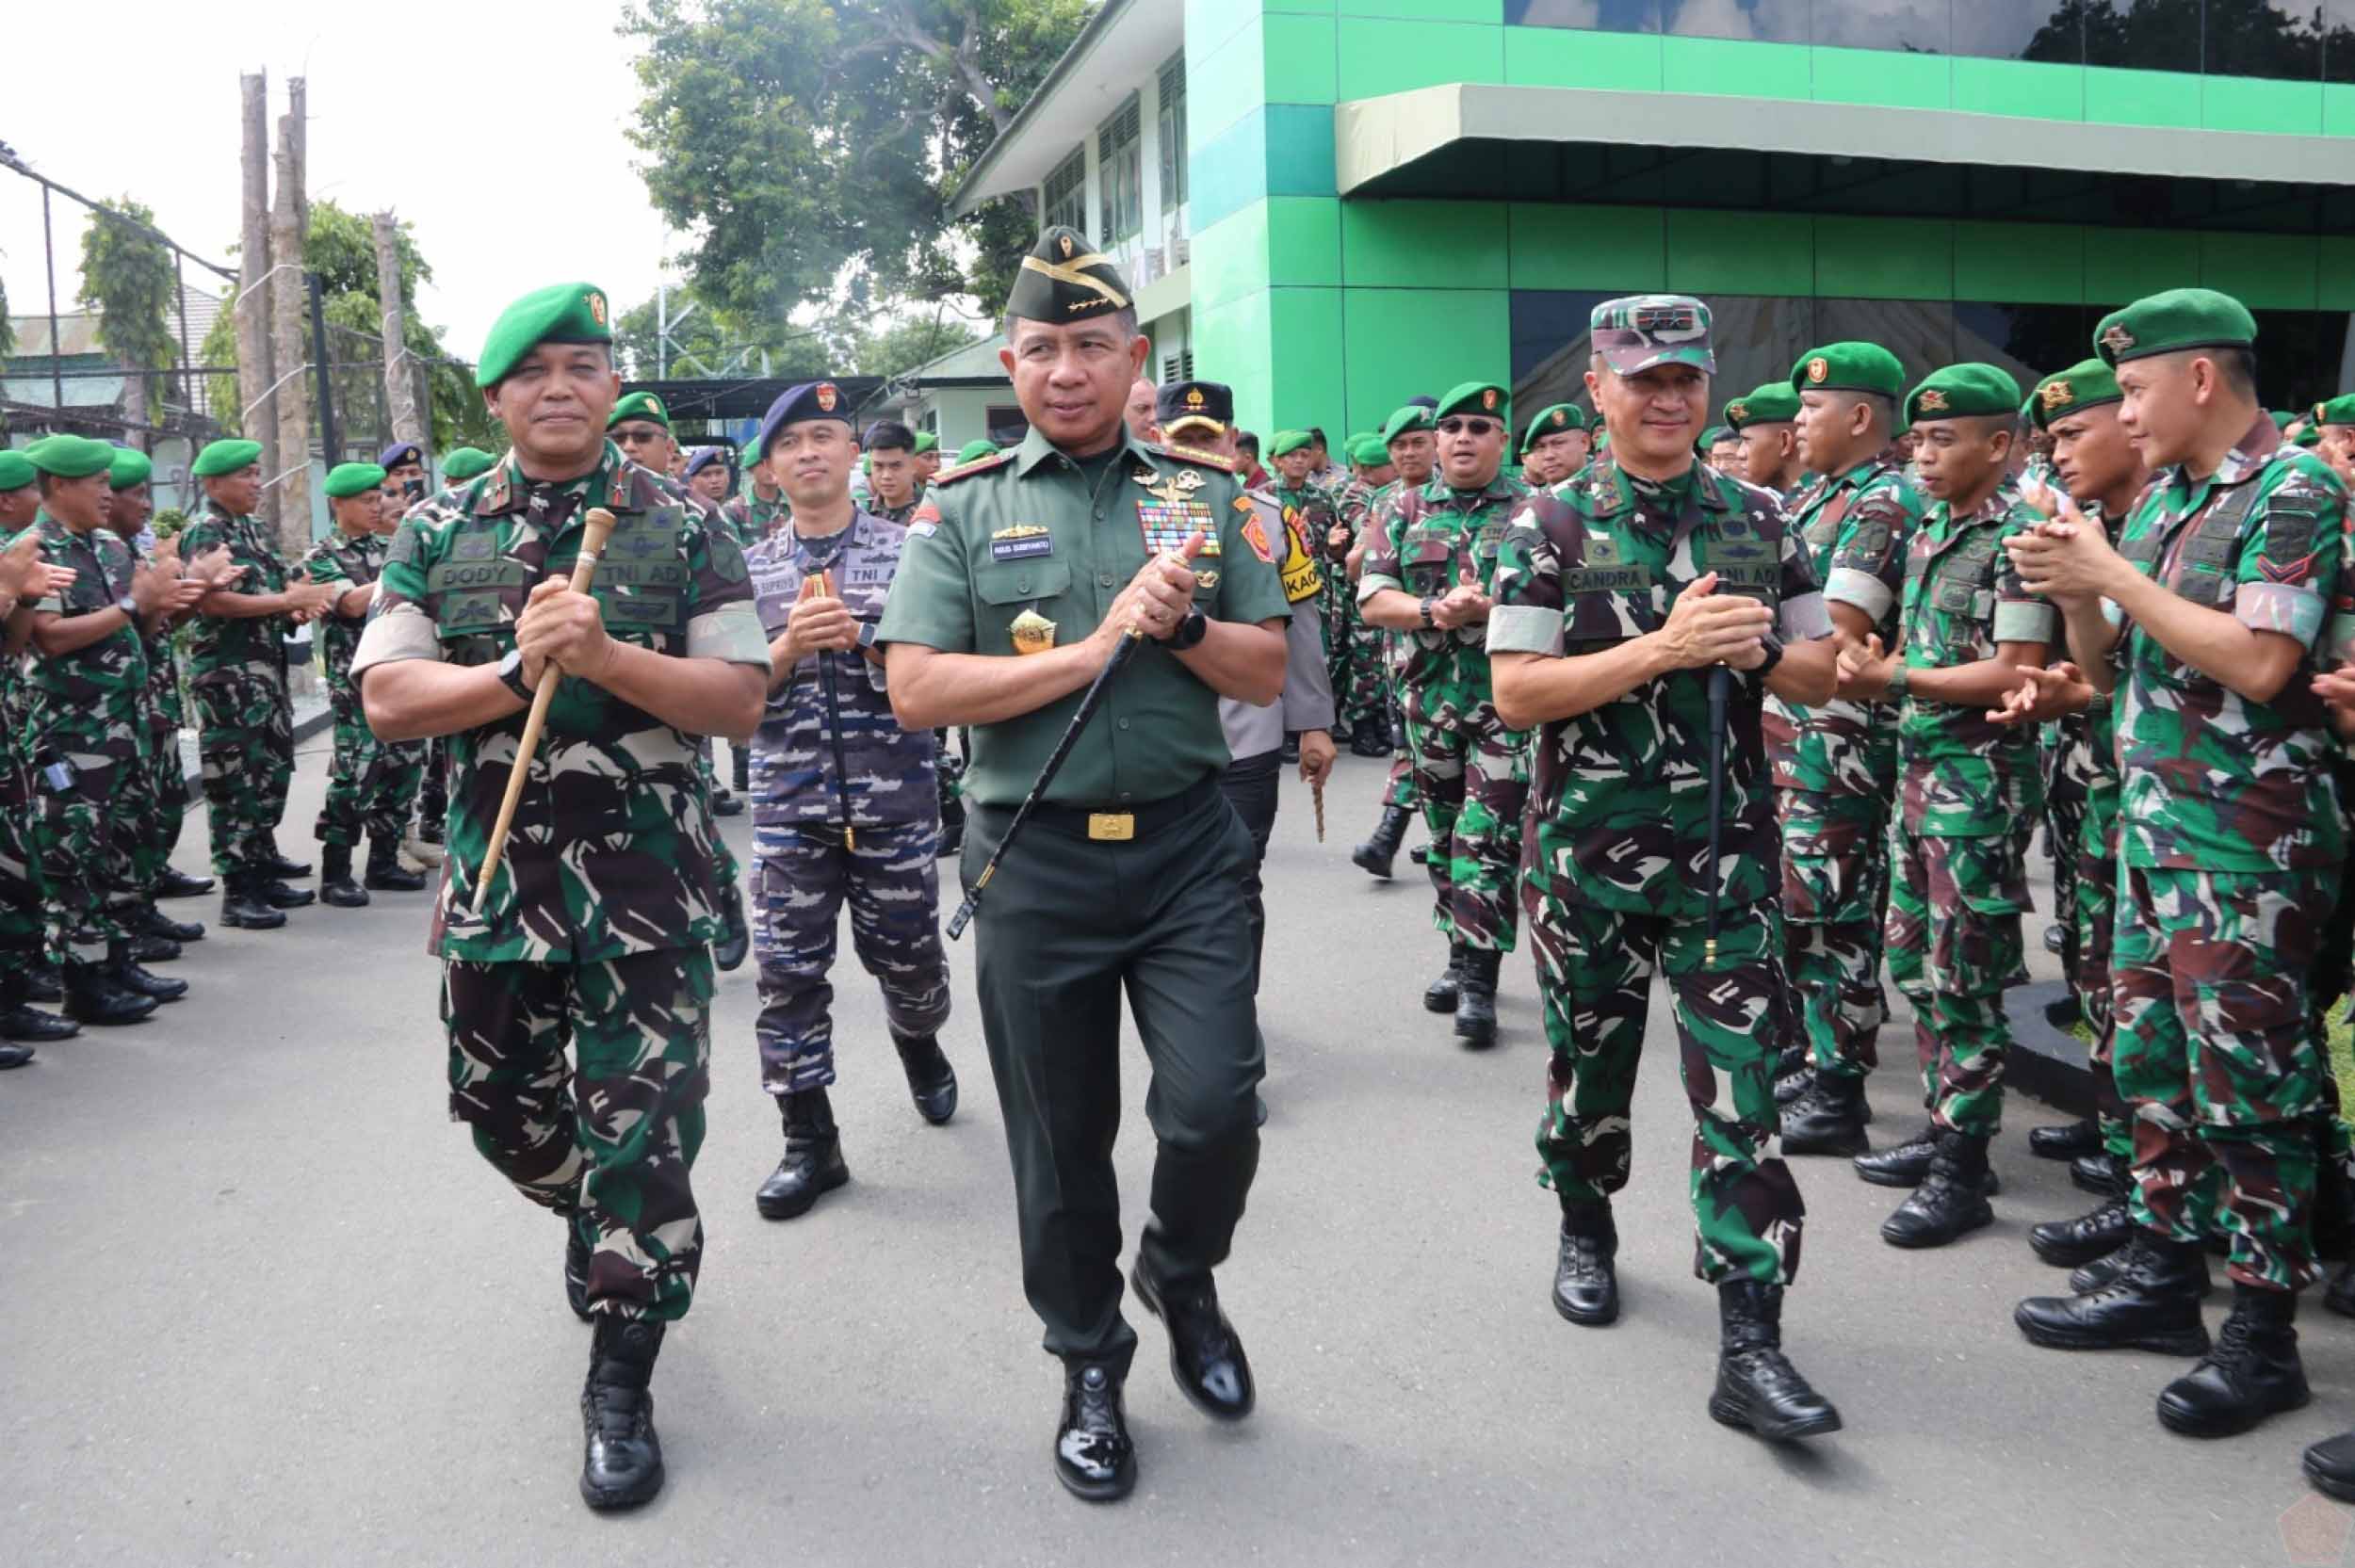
(400, 371)
(256, 371)
(293, 475)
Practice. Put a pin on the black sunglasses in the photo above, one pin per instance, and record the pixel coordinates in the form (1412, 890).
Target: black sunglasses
(1454, 425)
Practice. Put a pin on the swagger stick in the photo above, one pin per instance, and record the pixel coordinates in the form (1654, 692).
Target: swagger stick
(595, 529)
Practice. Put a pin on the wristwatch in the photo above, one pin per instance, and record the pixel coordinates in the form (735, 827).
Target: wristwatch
(510, 674)
(1896, 693)
(1429, 621)
(1190, 632)
(129, 607)
(1773, 645)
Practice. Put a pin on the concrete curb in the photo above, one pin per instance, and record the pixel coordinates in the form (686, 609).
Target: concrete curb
(2046, 1062)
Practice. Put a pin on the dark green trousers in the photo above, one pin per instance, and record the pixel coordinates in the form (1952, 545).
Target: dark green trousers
(1068, 924)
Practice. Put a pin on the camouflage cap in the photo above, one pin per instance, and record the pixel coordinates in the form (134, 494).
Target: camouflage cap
(347, 479)
(2338, 410)
(129, 468)
(467, 463)
(1488, 398)
(1063, 280)
(1776, 403)
(1963, 391)
(16, 470)
(1558, 420)
(2084, 385)
(1406, 421)
(1850, 367)
(1637, 332)
(2171, 323)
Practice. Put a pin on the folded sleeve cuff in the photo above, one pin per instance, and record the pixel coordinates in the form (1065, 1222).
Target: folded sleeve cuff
(2297, 612)
(2020, 622)
(1373, 583)
(1802, 619)
(1847, 586)
(1524, 629)
(400, 631)
(731, 632)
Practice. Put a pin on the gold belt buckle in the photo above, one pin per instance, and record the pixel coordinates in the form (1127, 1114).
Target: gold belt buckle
(1112, 827)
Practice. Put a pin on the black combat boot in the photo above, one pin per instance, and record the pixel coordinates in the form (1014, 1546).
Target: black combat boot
(2253, 1373)
(1951, 1199)
(1476, 1001)
(241, 907)
(151, 921)
(620, 1461)
(2150, 1302)
(1094, 1457)
(44, 984)
(1906, 1164)
(2340, 1297)
(386, 873)
(336, 888)
(2067, 1243)
(1758, 1389)
(2330, 1464)
(177, 883)
(277, 895)
(2100, 1175)
(1441, 994)
(2067, 1141)
(1828, 1118)
(931, 1082)
(19, 1020)
(1585, 1272)
(123, 969)
(1791, 1086)
(155, 949)
(1367, 742)
(1376, 854)
(812, 1165)
(13, 1055)
(2087, 1278)
(1789, 1060)
(275, 864)
(91, 996)
(577, 1252)
(727, 954)
(724, 803)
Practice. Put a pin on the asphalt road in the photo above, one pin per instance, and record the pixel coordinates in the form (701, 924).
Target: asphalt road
(259, 1302)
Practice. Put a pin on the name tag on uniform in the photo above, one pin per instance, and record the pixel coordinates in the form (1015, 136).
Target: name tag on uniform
(1605, 579)
(1023, 541)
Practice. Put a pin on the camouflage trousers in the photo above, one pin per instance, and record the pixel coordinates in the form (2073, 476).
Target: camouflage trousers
(245, 739)
(164, 805)
(1353, 661)
(1472, 778)
(1835, 872)
(370, 783)
(2215, 1056)
(605, 1139)
(23, 935)
(1594, 975)
(725, 870)
(801, 877)
(433, 790)
(1953, 948)
(83, 835)
(2065, 810)
(2096, 900)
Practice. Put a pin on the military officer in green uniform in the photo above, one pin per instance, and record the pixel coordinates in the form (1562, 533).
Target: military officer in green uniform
(1835, 766)
(1020, 574)
(25, 578)
(1967, 787)
(1767, 425)
(592, 939)
(1408, 437)
(1428, 579)
(1617, 595)
(466, 463)
(1554, 447)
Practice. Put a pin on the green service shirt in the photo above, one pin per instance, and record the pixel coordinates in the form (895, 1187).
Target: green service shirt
(1023, 531)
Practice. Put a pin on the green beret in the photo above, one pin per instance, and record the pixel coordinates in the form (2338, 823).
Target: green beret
(129, 468)
(1557, 420)
(1776, 403)
(562, 312)
(1850, 367)
(1063, 280)
(1963, 391)
(2282, 419)
(1369, 452)
(226, 457)
(1712, 435)
(347, 479)
(1406, 421)
(2338, 410)
(974, 451)
(1349, 442)
(926, 442)
(639, 405)
(2171, 323)
(2309, 437)
(70, 457)
(1476, 397)
(1286, 440)
(466, 463)
(2084, 385)
(16, 470)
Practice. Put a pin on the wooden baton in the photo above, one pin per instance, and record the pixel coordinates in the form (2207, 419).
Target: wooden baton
(597, 528)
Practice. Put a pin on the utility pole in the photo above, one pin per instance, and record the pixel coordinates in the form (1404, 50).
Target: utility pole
(292, 478)
(401, 375)
(256, 374)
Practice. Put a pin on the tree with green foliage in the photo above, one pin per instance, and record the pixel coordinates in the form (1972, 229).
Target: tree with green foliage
(127, 278)
(900, 346)
(810, 146)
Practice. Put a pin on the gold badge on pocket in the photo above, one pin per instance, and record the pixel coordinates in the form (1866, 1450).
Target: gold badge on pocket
(1032, 633)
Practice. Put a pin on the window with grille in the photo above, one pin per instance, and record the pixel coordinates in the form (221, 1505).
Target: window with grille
(1178, 367)
(1065, 196)
(1120, 173)
(1173, 134)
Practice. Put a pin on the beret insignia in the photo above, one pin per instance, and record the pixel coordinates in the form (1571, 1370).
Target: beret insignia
(1737, 410)
(2057, 394)
(1933, 401)
(826, 396)
(1819, 369)
(595, 301)
(1488, 398)
(2118, 339)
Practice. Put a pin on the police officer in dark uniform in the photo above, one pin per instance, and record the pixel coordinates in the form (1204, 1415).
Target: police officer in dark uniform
(1021, 574)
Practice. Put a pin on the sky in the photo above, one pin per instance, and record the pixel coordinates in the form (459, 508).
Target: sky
(494, 127)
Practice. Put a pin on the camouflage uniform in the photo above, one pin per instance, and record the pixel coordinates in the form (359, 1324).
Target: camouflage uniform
(1470, 772)
(595, 933)
(1835, 774)
(23, 934)
(84, 715)
(1968, 790)
(164, 797)
(2231, 840)
(370, 783)
(802, 871)
(1617, 872)
(245, 719)
(754, 519)
(2093, 762)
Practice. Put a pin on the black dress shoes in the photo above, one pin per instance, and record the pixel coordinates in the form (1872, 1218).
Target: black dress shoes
(1094, 1457)
(1205, 1357)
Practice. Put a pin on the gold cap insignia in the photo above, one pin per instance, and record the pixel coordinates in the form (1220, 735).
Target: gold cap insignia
(1065, 242)
(2117, 339)
(1195, 398)
(1488, 398)
(596, 307)
(827, 396)
(2318, 418)
(1932, 401)
(1819, 369)
(2055, 393)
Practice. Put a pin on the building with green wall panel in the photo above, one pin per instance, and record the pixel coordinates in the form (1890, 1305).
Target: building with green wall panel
(1386, 197)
